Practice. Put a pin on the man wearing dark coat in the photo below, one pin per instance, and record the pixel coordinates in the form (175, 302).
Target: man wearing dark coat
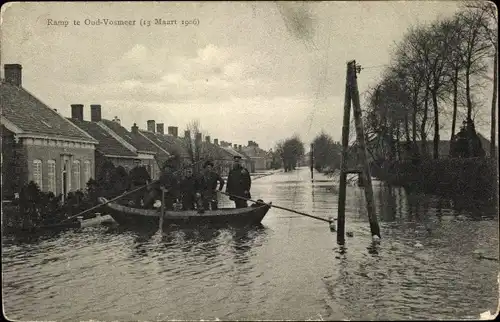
(239, 183)
(207, 186)
(188, 189)
(170, 183)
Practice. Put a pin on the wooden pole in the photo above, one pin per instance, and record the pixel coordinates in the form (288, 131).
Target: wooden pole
(343, 166)
(360, 134)
(162, 209)
(312, 162)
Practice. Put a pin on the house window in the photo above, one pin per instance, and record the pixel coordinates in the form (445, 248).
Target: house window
(76, 175)
(37, 173)
(88, 172)
(51, 175)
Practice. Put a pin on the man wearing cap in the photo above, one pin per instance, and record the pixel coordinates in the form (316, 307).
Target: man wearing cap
(170, 183)
(207, 186)
(239, 183)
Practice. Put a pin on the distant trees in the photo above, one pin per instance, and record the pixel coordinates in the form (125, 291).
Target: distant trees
(290, 150)
(435, 66)
(327, 153)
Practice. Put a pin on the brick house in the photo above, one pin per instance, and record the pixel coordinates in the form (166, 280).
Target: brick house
(146, 152)
(108, 148)
(257, 155)
(39, 144)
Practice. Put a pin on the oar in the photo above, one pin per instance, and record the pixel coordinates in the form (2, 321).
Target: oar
(127, 193)
(279, 207)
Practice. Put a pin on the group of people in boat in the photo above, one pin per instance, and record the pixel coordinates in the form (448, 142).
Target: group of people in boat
(190, 191)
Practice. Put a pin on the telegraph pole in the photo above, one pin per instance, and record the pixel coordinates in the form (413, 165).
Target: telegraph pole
(312, 162)
(352, 96)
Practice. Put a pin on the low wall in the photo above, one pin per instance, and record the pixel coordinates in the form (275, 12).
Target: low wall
(475, 178)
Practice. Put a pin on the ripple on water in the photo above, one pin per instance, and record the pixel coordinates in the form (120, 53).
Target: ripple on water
(291, 268)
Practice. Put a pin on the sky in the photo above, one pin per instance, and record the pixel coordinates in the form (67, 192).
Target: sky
(244, 70)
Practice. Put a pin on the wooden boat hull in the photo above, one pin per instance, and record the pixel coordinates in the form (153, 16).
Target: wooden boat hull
(134, 217)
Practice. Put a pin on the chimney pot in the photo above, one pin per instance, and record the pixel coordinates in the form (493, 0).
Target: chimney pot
(151, 125)
(117, 120)
(160, 128)
(77, 112)
(13, 74)
(95, 113)
(135, 129)
(207, 138)
(216, 141)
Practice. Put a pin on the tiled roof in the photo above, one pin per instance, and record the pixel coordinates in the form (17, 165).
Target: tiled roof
(108, 145)
(234, 152)
(215, 152)
(32, 116)
(134, 139)
(173, 145)
(254, 152)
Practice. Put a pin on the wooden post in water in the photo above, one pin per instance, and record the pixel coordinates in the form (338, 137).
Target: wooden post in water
(312, 162)
(360, 135)
(162, 209)
(343, 166)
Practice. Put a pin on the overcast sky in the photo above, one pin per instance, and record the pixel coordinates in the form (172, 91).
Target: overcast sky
(241, 72)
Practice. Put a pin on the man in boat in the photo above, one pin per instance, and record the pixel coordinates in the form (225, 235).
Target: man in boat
(170, 184)
(188, 189)
(207, 186)
(239, 183)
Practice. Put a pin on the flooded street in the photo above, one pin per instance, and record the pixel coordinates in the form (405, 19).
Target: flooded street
(290, 268)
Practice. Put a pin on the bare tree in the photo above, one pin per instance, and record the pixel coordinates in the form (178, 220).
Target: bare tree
(490, 28)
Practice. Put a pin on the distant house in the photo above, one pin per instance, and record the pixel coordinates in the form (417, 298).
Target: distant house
(39, 144)
(381, 151)
(108, 148)
(146, 152)
(247, 162)
(258, 156)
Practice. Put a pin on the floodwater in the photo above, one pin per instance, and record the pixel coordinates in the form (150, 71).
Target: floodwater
(289, 268)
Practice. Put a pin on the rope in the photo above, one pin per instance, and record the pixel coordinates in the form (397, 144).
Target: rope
(279, 207)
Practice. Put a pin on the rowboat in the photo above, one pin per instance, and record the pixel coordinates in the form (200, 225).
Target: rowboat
(136, 217)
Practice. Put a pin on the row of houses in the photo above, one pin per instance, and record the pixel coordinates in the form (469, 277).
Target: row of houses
(62, 153)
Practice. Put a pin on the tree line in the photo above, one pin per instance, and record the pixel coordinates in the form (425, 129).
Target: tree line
(435, 78)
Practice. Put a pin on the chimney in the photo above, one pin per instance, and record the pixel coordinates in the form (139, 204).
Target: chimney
(135, 129)
(160, 128)
(117, 120)
(77, 112)
(250, 143)
(207, 138)
(175, 132)
(239, 147)
(198, 137)
(235, 146)
(216, 141)
(187, 134)
(151, 126)
(95, 113)
(13, 74)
